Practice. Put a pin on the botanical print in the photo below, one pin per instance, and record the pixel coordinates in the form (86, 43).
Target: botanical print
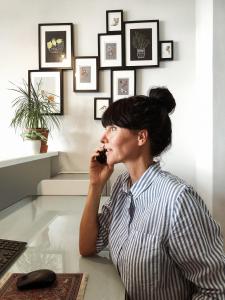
(123, 86)
(85, 74)
(114, 22)
(141, 44)
(55, 46)
(110, 51)
(166, 50)
(48, 87)
(102, 105)
(122, 83)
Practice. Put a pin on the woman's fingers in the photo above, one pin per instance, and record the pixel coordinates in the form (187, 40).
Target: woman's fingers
(97, 153)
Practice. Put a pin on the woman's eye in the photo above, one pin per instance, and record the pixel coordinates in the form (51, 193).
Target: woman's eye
(113, 128)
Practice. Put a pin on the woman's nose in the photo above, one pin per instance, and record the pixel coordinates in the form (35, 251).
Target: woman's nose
(103, 138)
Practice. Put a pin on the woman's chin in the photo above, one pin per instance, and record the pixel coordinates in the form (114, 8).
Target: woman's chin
(112, 161)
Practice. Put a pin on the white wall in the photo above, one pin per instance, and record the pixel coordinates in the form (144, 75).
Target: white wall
(203, 106)
(218, 112)
(80, 133)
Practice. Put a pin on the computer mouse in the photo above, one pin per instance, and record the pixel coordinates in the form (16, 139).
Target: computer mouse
(36, 279)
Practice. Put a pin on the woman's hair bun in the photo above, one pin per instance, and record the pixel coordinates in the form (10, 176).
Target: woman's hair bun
(161, 96)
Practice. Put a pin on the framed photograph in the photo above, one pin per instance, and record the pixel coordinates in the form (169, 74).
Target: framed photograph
(141, 43)
(114, 21)
(166, 50)
(110, 51)
(48, 83)
(123, 83)
(55, 46)
(86, 77)
(100, 105)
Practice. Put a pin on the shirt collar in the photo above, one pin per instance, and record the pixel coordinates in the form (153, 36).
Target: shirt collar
(143, 182)
(126, 183)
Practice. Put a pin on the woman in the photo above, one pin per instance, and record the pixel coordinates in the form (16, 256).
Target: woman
(161, 237)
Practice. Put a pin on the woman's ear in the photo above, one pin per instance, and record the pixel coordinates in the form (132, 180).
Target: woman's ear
(142, 137)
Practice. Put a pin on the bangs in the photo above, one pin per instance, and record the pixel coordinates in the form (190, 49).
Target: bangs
(124, 113)
(117, 114)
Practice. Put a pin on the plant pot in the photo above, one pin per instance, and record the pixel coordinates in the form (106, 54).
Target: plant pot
(141, 53)
(33, 146)
(44, 146)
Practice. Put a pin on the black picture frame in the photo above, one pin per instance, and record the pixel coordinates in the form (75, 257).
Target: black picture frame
(141, 43)
(123, 83)
(100, 105)
(166, 50)
(55, 46)
(114, 21)
(51, 85)
(86, 74)
(110, 51)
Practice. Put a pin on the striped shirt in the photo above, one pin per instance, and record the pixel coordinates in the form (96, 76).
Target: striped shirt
(162, 239)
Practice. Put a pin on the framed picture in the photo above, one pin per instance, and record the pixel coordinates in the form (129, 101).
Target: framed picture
(166, 50)
(114, 21)
(123, 83)
(100, 105)
(86, 74)
(141, 43)
(55, 45)
(110, 51)
(50, 84)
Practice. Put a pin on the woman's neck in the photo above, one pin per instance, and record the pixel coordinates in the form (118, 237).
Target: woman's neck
(137, 168)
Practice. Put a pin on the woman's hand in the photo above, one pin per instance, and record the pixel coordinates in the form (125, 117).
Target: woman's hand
(99, 173)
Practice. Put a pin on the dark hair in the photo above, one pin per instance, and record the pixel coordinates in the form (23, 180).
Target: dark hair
(142, 112)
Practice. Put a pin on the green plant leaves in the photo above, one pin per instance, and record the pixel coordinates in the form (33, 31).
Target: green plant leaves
(33, 108)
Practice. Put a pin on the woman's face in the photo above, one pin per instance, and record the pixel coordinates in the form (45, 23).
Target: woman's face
(121, 144)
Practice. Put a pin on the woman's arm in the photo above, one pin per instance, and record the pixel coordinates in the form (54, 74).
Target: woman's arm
(99, 174)
(197, 248)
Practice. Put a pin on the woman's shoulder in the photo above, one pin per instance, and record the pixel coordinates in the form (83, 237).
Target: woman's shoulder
(173, 182)
(178, 190)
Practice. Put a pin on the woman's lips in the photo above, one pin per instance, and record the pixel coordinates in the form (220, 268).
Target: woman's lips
(108, 150)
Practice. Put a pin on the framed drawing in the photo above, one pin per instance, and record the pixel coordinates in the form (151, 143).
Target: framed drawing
(123, 83)
(55, 45)
(85, 74)
(110, 51)
(141, 43)
(114, 21)
(166, 50)
(100, 105)
(48, 83)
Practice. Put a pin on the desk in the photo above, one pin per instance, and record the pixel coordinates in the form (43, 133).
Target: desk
(50, 226)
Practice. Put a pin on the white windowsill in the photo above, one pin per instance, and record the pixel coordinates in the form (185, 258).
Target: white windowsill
(6, 162)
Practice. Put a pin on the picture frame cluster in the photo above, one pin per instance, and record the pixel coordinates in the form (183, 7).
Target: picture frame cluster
(55, 53)
(123, 48)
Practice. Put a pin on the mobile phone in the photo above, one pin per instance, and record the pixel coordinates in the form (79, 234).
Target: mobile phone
(102, 158)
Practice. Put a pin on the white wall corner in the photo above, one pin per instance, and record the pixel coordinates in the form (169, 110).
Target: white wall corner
(204, 100)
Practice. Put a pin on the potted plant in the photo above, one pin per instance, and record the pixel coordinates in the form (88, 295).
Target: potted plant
(34, 112)
(34, 140)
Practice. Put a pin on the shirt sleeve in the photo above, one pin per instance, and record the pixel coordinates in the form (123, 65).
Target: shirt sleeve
(196, 246)
(105, 217)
